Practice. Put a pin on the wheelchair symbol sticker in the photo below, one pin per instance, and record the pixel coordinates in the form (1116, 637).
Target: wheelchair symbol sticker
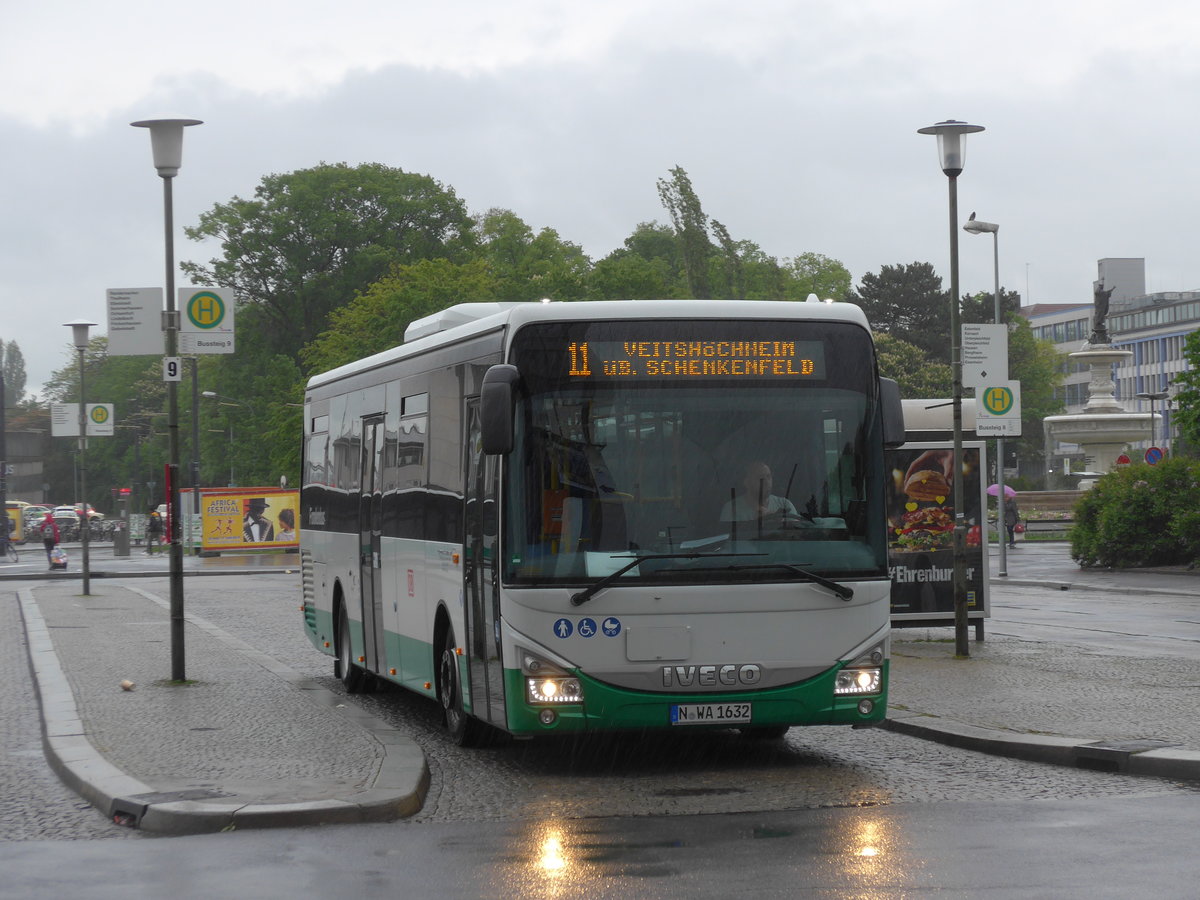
(587, 628)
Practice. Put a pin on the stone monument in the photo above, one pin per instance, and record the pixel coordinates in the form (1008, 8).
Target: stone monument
(1104, 428)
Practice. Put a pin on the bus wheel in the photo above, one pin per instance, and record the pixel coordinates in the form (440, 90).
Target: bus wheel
(465, 730)
(765, 732)
(347, 672)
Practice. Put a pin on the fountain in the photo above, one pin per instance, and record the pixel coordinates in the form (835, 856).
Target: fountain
(1104, 428)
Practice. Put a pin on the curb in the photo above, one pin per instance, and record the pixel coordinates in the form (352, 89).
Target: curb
(1160, 759)
(398, 788)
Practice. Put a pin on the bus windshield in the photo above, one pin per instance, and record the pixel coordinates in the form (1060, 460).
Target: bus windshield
(721, 451)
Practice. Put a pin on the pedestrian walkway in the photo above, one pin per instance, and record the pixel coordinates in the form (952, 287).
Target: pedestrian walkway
(251, 743)
(1130, 708)
(246, 743)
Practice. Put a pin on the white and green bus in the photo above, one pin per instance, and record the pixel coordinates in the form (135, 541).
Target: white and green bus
(567, 517)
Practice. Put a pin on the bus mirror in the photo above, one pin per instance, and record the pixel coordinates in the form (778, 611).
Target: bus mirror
(893, 412)
(497, 402)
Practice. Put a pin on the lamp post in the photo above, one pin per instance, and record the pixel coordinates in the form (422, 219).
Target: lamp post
(1153, 397)
(79, 335)
(222, 400)
(975, 226)
(951, 136)
(166, 142)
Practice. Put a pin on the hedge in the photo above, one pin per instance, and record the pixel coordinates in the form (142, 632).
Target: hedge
(1140, 515)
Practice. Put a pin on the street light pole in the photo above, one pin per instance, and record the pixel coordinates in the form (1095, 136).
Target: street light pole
(1153, 397)
(975, 226)
(79, 335)
(951, 137)
(166, 140)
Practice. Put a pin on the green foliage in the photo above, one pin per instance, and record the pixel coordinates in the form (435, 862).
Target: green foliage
(313, 238)
(526, 266)
(691, 230)
(981, 308)
(907, 301)
(1140, 515)
(912, 368)
(12, 365)
(813, 273)
(1037, 365)
(375, 320)
(1187, 410)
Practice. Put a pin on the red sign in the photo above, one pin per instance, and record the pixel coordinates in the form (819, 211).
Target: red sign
(1122, 460)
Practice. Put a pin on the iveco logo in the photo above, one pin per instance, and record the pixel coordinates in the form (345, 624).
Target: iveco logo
(711, 676)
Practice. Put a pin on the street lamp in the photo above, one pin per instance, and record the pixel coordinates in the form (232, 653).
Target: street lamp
(1153, 397)
(166, 142)
(952, 139)
(79, 335)
(975, 226)
(222, 400)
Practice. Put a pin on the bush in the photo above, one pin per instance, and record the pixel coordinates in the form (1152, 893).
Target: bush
(1140, 515)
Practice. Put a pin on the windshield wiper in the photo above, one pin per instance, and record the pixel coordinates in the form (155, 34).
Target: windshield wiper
(841, 590)
(593, 589)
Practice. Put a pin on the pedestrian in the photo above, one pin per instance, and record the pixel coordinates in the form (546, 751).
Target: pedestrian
(49, 536)
(1012, 516)
(154, 531)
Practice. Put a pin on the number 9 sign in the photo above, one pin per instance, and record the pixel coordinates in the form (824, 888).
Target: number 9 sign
(172, 368)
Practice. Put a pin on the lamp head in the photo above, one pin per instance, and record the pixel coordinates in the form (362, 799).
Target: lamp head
(975, 226)
(166, 141)
(951, 136)
(79, 332)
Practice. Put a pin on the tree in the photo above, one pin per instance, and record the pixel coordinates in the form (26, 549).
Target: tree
(907, 301)
(691, 230)
(311, 239)
(981, 308)
(12, 363)
(1187, 411)
(917, 374)
(1037, 365)
(376, 319)
(812, 273)
(528, 266)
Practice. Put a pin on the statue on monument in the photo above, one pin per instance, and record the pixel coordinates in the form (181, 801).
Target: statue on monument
(1100, 297)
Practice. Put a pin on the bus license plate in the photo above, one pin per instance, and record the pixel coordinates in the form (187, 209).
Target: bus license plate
(710, 713)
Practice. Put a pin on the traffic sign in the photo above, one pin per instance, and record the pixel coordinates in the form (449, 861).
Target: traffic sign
(998, 409)
(984, 354)
(1154, 455)
(206, 320)
(135, 321)
(98, 419)
(1123, 460)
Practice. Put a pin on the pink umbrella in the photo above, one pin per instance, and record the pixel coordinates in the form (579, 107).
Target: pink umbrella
(994, 491)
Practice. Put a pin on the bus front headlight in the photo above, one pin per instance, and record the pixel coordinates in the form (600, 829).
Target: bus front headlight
(553, 690)
(858, 681)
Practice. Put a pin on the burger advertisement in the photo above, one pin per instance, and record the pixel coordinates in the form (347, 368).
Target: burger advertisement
(921, 518)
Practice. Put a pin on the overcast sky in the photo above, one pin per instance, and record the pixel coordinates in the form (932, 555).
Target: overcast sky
(795, 120)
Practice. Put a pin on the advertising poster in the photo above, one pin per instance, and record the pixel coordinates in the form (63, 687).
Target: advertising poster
(920, 511)
(249, 519)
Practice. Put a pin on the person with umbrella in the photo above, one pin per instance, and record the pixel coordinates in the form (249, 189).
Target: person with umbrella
(1012, 515)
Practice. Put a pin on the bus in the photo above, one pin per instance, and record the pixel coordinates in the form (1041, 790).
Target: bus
(528, 512)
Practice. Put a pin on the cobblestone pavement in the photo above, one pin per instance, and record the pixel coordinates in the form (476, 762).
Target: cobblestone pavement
(34, 804)
(666, 774)
(661, 774)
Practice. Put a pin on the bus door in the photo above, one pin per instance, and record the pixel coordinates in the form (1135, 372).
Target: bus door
(481, 576)
(370, 526)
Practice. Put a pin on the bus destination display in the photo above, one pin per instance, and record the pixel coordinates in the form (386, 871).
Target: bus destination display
(696, 359)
